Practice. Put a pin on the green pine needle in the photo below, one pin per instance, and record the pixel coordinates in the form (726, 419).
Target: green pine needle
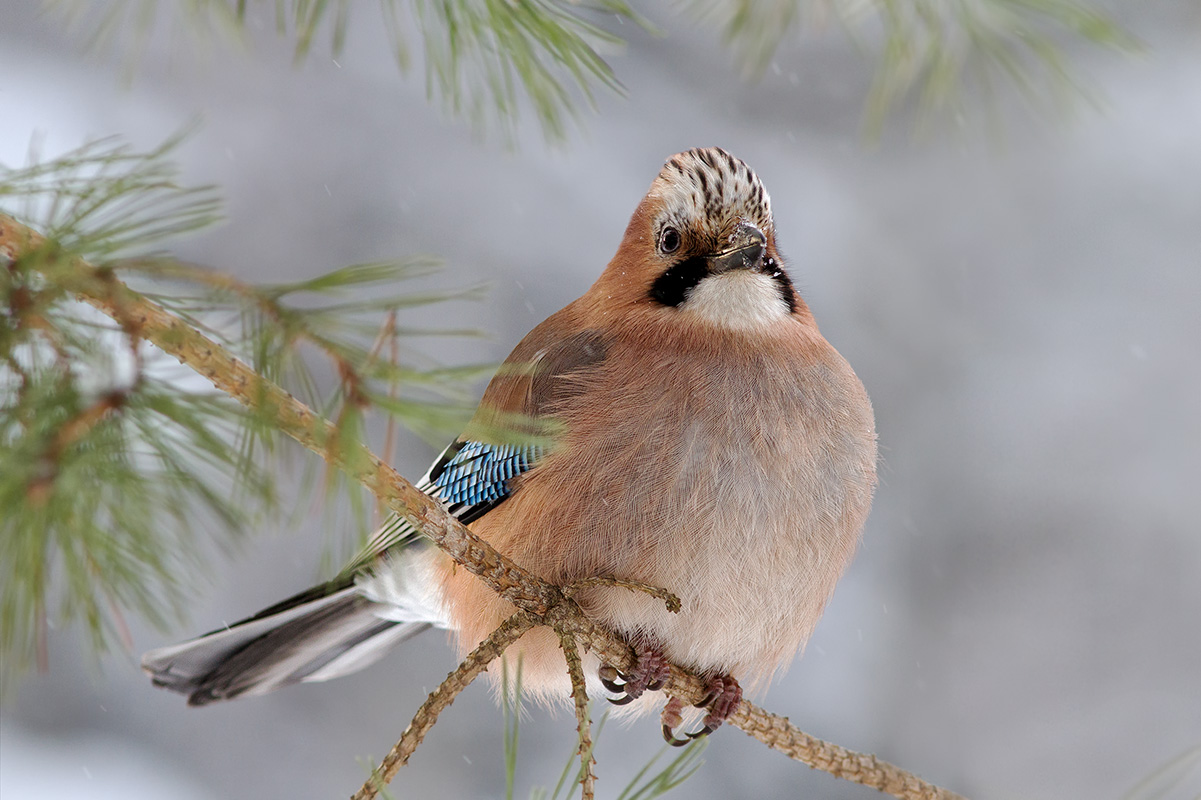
(106, 199)
(114, 459)
(641, 787)
(107, 475)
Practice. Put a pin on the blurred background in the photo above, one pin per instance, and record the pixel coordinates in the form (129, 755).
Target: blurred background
(1022, 299)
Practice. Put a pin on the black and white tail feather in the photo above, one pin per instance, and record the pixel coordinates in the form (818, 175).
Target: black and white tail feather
(382, 598)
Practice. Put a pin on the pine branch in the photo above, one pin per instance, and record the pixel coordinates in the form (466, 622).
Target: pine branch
(134, 313)
(546, 603)
(109, 462)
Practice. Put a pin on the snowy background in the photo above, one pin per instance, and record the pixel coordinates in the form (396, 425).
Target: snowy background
(1024, 617)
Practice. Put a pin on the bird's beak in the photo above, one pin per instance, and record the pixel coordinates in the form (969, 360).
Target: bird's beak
(747, 247)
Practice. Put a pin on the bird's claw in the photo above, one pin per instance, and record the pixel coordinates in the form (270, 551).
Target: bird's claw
(650, 673)
(672, 719)
(721, 701)
(609, 678)
(669, 736)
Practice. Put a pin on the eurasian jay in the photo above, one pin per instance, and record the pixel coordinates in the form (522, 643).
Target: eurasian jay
(683, 424)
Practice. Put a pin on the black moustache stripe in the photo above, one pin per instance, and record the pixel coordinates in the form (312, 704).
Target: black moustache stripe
(673, 286)
(677, 282)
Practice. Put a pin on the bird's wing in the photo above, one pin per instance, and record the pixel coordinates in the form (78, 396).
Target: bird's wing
(337, 627)
(472, 476)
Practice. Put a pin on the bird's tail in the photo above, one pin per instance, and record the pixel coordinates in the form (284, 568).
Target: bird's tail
(328, 631)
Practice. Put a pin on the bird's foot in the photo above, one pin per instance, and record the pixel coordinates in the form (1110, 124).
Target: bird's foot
(650, 673)
(721, 700)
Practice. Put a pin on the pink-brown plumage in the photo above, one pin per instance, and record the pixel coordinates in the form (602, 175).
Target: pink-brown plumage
(707, 440)
(733, 467)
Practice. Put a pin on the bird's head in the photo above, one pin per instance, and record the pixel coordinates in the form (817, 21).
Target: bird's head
(701, 244)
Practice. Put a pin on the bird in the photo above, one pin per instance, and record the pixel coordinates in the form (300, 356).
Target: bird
(683, 424)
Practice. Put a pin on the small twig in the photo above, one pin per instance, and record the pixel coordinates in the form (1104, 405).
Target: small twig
(476, 662)
(779, 734)
(86, 420)
(579, 693)
(670, 600)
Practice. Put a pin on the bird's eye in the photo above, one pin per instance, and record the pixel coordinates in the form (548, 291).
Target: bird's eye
(669, 240)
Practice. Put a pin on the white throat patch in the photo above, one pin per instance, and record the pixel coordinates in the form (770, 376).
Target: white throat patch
(739, 300)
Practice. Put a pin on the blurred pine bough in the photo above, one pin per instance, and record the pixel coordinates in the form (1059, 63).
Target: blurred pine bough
(490, 60)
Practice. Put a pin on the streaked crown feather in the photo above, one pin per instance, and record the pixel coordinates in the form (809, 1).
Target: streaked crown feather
(709, 191)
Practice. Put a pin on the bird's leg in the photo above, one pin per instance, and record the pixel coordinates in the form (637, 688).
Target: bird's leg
(721, 700)
(650, 672)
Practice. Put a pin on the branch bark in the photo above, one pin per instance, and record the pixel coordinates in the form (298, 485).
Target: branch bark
(476, 662)
(545, 602)
(579, 695)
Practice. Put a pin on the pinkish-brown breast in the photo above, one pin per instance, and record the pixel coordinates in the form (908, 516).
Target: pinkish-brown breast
(736, 472)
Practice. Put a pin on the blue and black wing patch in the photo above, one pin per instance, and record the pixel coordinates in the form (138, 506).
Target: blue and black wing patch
(472, 478)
